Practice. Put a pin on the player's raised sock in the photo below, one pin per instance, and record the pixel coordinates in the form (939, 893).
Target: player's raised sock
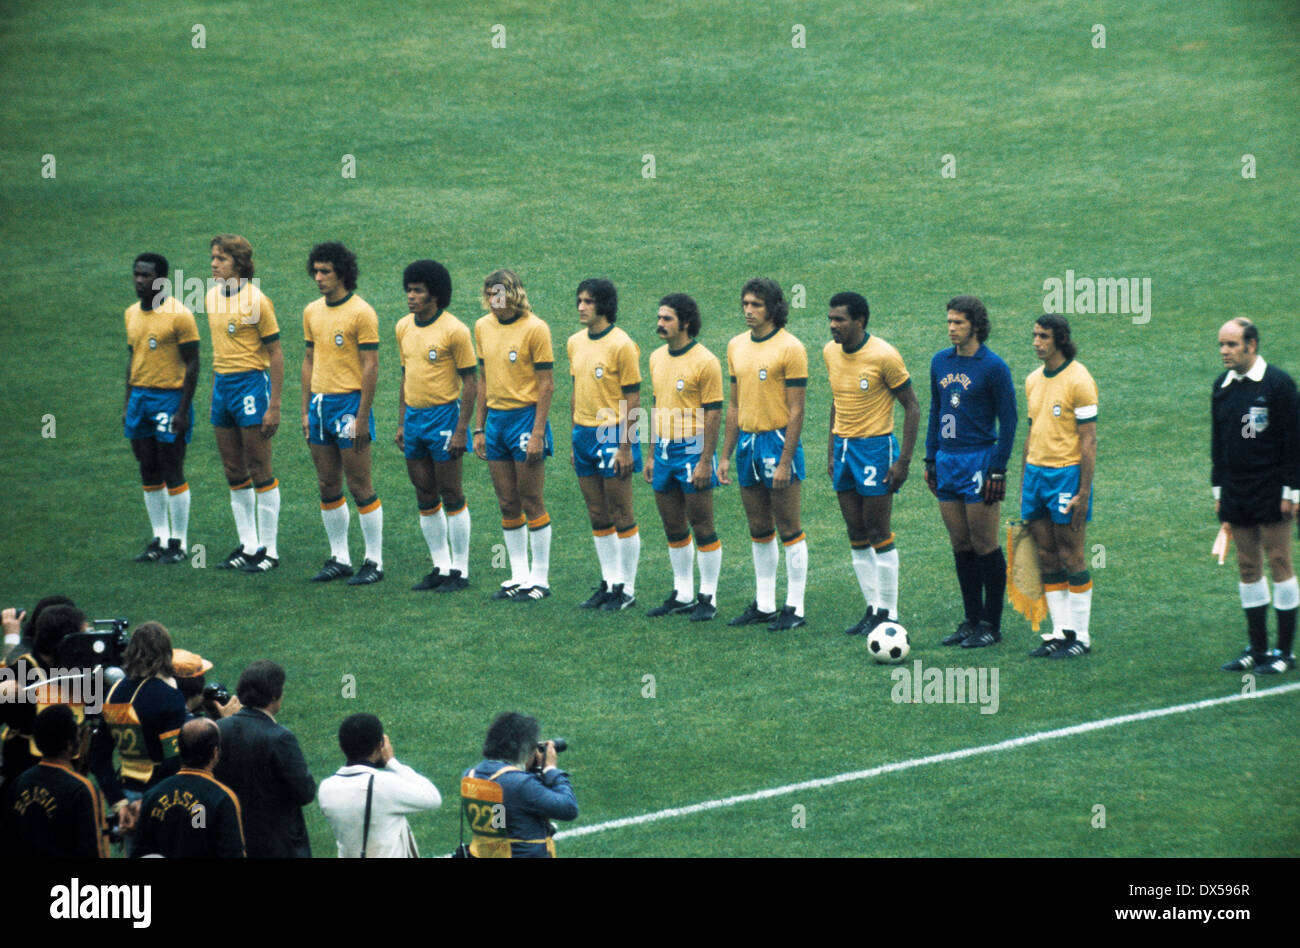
(268, 517)
(1254, 601)
(993, 577)
(887, 578)
(371, 515)
(629, 555)
(155, 504)
(681, 555)
(1080, 596)
(458, 538)
(968, 578)
(1286, 599)
(607, 553)
(539, 538)
(336, 516)
(796, 570)
(178, 509)
(516, 549)
(243, 505)
(710, 548)
(864, 567)
(765, 560)
(1056, 591)
(433, 524)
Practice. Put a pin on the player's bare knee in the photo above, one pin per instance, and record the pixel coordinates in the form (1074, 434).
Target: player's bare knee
(452, 498)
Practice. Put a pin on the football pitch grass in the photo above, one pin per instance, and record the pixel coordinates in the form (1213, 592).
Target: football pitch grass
(822, 166)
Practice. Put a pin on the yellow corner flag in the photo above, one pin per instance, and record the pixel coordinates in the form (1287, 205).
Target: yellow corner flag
(1024, 578)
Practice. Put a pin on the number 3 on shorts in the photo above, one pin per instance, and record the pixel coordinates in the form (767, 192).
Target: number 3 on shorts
(769, 468)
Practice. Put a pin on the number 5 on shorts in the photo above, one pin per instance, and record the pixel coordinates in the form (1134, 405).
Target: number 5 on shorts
(1063, 502)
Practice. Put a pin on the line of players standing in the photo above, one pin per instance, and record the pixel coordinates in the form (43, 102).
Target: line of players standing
(508, 388)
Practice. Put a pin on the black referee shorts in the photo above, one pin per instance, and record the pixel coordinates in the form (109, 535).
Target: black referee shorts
(1250, 502)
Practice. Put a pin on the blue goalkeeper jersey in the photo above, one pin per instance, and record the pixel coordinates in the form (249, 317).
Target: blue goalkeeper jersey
(972, 404)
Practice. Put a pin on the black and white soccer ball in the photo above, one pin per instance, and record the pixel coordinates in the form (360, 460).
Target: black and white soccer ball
(888, 643)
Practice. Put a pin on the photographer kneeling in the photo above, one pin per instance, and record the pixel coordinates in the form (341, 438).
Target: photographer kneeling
(511, 796)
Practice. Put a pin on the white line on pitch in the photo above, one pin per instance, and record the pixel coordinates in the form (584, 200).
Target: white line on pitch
(674, 812)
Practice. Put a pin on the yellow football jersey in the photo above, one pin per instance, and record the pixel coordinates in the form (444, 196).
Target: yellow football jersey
(241, 325)
(434, 356)
(337, 332)
(761, 370)
(1058, 403)
(511, 353)
(686, 383)
(155, 338)
(604, 368)
(863, 383)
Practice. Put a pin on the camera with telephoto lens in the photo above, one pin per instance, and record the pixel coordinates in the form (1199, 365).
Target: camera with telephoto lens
(215, 695)
(560, 745)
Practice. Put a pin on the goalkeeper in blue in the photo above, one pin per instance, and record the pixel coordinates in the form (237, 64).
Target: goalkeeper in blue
(971, 430)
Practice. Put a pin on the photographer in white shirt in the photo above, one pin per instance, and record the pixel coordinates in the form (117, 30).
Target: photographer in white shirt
(369, 797)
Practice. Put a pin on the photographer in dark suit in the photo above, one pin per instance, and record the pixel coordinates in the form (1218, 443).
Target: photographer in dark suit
(522, 778)
(263, 764)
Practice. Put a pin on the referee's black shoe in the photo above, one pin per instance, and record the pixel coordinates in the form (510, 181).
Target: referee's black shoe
(1275, 663)
(1244, 662)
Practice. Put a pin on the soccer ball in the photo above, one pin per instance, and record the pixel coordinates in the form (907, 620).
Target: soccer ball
(888, 643)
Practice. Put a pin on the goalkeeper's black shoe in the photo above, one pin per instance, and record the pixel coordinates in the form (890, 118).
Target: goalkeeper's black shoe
(332, 569)
(369, 573)
(964, 631)
(152, 553)
(1244, 662)
(983, 636)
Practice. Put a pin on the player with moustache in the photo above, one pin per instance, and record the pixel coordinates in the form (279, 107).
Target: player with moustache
(769, 378)
(968, 442)
(248, 378)
(162, 370)
(864, 461)
(434, 402)
(340, 369)
(682, 468)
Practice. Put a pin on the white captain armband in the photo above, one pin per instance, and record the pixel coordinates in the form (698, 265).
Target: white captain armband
(1085, 413)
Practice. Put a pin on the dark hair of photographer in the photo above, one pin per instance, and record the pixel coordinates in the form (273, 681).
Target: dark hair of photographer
(55, 728)
(149, 652)
(29, 620)
(55, 624)
(360, 735)
(513, 737)
(261, 684)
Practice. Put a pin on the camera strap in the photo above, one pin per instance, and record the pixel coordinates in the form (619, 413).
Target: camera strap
(365, 833)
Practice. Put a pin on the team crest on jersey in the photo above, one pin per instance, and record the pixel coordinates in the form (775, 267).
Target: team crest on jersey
(762, 373)
(954, 399)
(153, 342)
(1056, 410)
(514, 356)
(230, 328)
(1258, 418)
(681, 384)
(338, 339)
(600, 372)
(433, 354)
(864, 383)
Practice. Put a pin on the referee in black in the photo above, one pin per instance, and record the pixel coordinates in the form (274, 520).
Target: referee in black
(1255, 452)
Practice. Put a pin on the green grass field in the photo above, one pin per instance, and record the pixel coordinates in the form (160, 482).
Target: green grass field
(817, 166)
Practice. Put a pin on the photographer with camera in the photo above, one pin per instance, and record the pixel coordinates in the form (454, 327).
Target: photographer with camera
(17, 713)
(202, 700)
(511, 796)
(142, 718)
